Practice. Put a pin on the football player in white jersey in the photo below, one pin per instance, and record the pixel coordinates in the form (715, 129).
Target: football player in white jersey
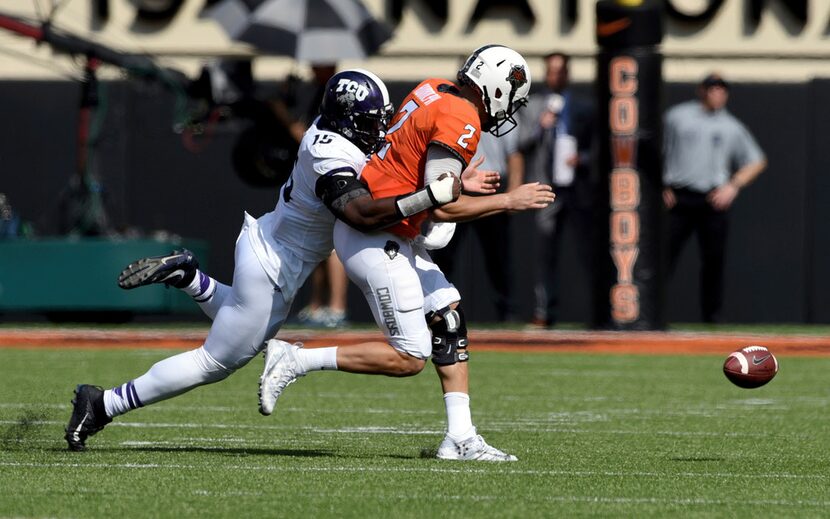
(436, 131)
(274, 255)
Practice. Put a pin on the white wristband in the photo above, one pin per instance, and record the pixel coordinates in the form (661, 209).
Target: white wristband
(414, 203)
(438, 192)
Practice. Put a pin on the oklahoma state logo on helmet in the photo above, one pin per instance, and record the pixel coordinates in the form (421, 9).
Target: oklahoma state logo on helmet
(517, 76)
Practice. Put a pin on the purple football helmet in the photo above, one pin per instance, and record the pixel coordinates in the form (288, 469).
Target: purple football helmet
(356, 105)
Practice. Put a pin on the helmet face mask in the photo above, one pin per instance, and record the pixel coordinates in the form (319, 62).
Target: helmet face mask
(356, 105)
(501, 77)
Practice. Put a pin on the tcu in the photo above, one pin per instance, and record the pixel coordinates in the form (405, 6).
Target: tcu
(347, 85)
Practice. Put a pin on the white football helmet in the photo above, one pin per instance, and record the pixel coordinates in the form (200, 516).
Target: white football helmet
(502, 78)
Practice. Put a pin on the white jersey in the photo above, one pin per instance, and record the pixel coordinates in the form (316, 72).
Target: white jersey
(297, 234)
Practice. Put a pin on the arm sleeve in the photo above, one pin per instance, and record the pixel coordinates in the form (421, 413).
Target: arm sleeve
(441, 160)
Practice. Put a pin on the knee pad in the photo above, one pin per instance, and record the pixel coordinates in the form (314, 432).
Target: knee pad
(449, 336)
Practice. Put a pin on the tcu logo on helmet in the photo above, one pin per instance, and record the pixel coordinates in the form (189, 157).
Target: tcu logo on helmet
(348, 88)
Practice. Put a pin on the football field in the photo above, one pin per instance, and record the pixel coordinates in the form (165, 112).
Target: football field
(596, 435)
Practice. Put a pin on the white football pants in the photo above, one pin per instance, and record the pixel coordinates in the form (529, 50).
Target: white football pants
(399, 281)
(244, 315)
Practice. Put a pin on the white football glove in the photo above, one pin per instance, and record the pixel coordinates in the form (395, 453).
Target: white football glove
(442, 189)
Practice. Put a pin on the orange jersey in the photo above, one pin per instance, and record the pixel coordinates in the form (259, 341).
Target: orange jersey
(431, 113)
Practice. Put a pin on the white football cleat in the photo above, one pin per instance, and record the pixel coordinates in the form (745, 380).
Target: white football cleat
(281, 370)
(473, 448)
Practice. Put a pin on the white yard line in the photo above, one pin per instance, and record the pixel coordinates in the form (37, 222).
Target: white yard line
(435, 469)
(548, 498)
(492, 426)
(227, 409)
(184, 425)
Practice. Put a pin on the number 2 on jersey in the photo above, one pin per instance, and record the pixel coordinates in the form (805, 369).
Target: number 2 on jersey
(407, 110)
(462, 141)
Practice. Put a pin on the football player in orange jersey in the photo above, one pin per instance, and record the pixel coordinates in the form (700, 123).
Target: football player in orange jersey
(435, 132)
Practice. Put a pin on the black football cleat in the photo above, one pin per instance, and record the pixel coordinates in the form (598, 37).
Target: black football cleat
(88, 416)
(175, 269)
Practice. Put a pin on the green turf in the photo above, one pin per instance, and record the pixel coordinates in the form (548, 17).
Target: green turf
(597, 435)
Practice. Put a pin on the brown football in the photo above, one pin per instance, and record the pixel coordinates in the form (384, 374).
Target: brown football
(749, 367)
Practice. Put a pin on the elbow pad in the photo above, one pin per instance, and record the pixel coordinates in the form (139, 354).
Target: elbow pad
(436, 193)
(337, 188)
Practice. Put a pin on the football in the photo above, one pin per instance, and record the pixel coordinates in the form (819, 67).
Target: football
(750, 367)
